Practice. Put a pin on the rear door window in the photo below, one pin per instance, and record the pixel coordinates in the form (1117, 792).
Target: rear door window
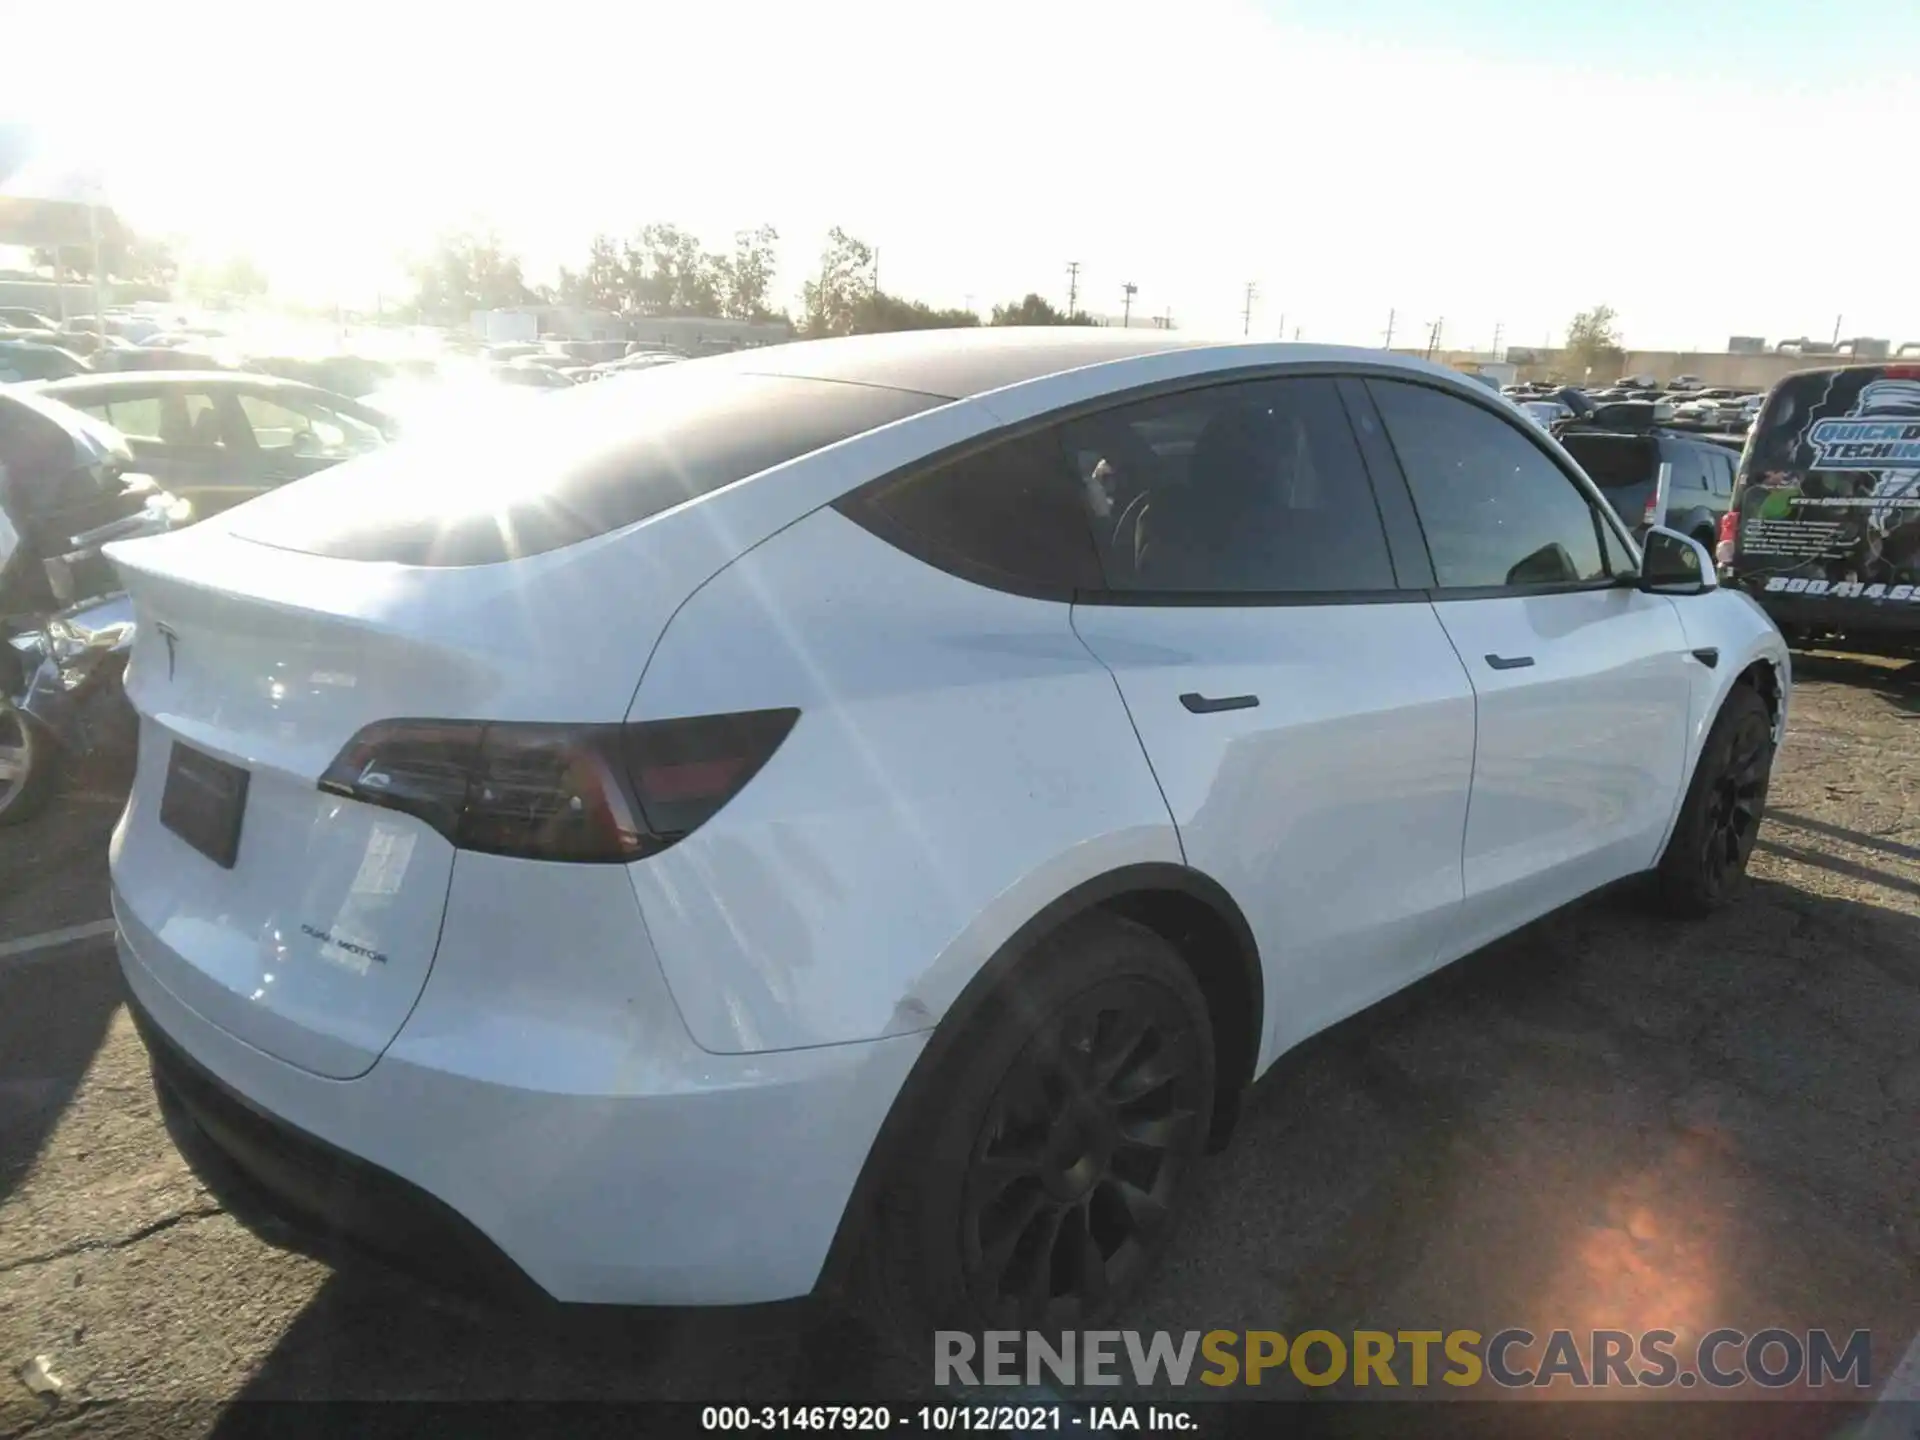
(1247, 489)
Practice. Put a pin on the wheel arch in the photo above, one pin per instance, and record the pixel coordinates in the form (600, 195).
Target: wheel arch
(1187, 908)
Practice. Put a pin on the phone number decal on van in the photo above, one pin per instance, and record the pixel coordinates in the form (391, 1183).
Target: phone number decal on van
(1842, 589)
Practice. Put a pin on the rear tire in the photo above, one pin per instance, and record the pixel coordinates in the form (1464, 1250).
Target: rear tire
(1706, 860)
(31, 766)
(1040, 1179)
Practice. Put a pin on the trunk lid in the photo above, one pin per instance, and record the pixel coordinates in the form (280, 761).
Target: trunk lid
(314, 943)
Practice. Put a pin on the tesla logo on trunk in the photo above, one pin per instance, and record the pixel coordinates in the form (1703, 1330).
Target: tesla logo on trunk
(173, 640)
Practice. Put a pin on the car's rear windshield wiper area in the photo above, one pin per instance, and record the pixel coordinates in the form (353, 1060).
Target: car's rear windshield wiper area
(1614, 462)
(566, 467)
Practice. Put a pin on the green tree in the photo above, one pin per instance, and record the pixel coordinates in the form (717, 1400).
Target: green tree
(1593, 341)
(467, 270)
(878, 311)
(602, 284)
(746, 276)
(1034, 310)
(830, 303)
(668, 273)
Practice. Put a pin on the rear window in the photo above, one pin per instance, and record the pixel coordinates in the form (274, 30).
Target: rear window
(1614, 462)
(565, 467)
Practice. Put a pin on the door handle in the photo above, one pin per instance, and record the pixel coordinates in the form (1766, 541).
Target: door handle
(1509, 662)
(1202, 705)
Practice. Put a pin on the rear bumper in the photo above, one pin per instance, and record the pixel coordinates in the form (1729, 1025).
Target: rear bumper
(664, 1175)
(319, 1188)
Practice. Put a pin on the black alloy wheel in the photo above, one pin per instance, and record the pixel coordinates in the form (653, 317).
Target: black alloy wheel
(1706, 858)
(1737, 796)
(1074, 1171)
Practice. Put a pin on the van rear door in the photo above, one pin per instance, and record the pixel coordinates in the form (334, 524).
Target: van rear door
(1828, 500)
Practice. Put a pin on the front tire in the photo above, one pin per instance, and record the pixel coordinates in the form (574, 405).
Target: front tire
(1040, 1179)
(1706, 860)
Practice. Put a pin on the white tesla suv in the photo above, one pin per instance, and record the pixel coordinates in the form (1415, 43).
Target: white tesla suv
(883, 799)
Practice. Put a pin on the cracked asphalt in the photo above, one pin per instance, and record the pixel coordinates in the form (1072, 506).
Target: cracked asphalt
(1609, 1120)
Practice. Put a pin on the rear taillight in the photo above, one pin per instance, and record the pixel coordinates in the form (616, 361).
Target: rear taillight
(588, 793)
(1729, 525)
(1650, 513)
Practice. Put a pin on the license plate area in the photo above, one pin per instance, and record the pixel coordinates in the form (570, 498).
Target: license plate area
(203, 802)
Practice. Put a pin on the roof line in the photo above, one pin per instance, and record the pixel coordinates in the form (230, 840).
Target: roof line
(842, 380)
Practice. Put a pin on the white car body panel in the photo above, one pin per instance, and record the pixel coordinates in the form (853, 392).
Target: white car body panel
(910, 824)
(578, 1127)
(1578, 754)
(1332, 811)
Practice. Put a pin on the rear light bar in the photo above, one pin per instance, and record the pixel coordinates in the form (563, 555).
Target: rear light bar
(1729, 526)
(596, 794)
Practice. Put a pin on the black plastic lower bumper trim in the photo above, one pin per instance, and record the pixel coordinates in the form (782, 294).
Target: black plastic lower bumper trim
(322, 1191)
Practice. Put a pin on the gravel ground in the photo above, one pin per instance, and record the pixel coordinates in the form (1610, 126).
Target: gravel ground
(1606, 1121)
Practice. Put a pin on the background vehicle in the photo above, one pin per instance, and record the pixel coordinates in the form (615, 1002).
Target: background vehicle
(24, 319)
(1625, 464)
(144, 358)
(886, 748)
(354, 376)
(1825, 528)
(215, 439)
(66, 487)
(25, 360)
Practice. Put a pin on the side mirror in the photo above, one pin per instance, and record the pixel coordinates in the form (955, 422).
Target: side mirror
(1675, 564)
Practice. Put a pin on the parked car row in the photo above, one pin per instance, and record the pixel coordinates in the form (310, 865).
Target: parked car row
(1688, 403)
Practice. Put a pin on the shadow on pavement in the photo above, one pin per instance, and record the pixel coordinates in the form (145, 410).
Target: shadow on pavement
(55, 1006)
(1608, 1119)
(1777, 816)
(1898, 684)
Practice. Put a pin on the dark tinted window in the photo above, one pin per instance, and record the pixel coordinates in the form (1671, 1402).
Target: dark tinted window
(1689, 467)
(1251, 488)
(557, 469)
(1613, 462)
(1009, 515)
(1720, 473)
(1496, 509)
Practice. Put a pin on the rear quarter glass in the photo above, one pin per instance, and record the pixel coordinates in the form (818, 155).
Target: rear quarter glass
(571, 466)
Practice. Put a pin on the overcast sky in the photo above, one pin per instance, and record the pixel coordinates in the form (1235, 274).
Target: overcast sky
(1488, 162)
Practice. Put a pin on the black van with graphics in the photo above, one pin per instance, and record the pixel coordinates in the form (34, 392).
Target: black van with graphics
(1825, 526)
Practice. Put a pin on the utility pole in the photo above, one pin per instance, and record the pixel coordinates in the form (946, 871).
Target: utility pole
(1246, 315)
(1433, 336)
(1390, 315)
(1497, 328)
(1127, 292)
(1073, 286)
(1282, 331)
(1836, 328)
(876, 271)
